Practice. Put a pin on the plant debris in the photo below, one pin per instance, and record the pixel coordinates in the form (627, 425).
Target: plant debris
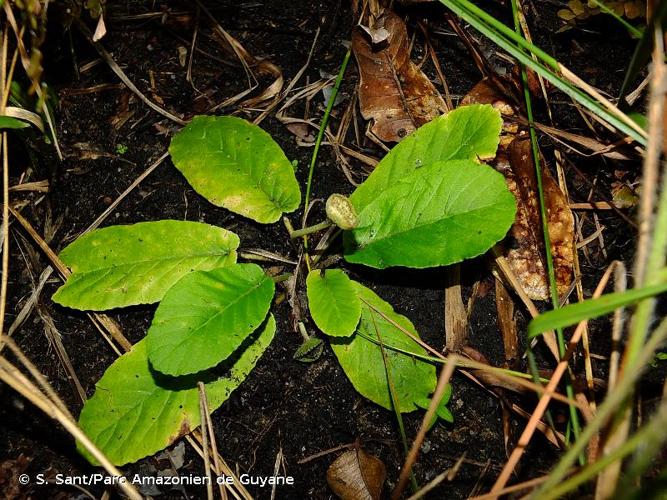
(393, 91)
(526, 242)
(357, 475)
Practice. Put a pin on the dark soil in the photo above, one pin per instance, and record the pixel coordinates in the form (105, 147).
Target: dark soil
(284, 406)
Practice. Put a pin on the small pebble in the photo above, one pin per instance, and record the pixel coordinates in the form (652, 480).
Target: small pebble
(426, 447)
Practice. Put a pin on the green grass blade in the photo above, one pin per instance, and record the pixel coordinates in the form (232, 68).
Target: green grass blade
(492, 30)
(323, 127)
(589, 309)
(574, 417)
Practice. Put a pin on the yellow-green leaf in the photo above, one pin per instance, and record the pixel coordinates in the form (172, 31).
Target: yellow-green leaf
(236, 165)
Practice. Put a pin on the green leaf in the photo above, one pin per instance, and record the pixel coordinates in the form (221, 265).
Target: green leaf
(120, 266)
(467, 133)
(206, 316)
(437, 215)
(361, 358)
(9, 122)
(236, 165)
(441, 410)
(310, 351)
(591, 308)
(137, 411)
(333, 302)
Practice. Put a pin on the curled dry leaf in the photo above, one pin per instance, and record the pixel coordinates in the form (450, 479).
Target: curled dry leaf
(526, 243)
(526, 255)
(357, 475)
(393, 91)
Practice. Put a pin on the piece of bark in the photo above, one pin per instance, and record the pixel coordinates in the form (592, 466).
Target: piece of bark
(393, 91)
(507, 324)
(526, 254)
(456, 318)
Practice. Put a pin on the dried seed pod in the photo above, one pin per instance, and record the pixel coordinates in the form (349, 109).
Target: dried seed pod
(341, 212)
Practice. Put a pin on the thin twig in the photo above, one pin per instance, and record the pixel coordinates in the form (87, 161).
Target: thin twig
(96, 223)
(123, 77)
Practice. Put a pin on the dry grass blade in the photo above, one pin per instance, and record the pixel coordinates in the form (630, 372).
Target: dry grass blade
(31, 301)
(448, 475)
(410, 460)
(104, 54)
(52, 406)
(507, 323)
(25, 115)
(507, 273)
(612, 151)
(55, 339)
(617, 431)
(456, 318)
(238, 490)
(96, 223)
(206, 418)
(546, 397)
(107, 323)
(5, 232)
(203, 411)
(291, 84)
(36, 186)
(26, 63)
(501, 377)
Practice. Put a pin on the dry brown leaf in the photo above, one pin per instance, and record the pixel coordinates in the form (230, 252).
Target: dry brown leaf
(357, 475)
(526, 243)
(393, 91)
(526, 255)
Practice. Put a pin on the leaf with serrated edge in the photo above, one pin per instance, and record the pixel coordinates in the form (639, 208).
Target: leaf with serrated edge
(136, 411)
(204, 317)
(121, 266)
(236, 165)
(467, 133)
(438, 215)
(333, 302)
(362, 362)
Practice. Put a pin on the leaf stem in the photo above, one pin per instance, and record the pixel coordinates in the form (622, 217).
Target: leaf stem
(310, 229)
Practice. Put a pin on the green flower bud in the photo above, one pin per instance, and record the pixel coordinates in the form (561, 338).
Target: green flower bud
(341, 212)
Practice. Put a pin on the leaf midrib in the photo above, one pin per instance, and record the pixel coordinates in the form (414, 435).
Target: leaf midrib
(420, 226)
(193, 333)
(149, 261)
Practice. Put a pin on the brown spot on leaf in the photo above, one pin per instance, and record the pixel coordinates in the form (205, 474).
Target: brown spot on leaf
(182, 431)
